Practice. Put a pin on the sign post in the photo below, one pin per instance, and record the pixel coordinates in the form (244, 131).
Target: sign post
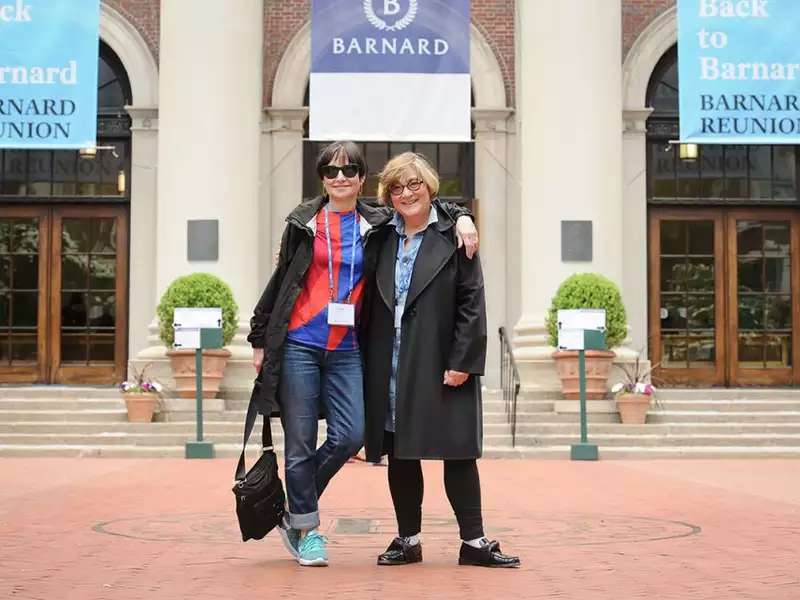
(581, 330)
(198, 328)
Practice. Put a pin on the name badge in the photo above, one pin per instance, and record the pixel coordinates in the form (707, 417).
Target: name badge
(398, 315)
(341, 314)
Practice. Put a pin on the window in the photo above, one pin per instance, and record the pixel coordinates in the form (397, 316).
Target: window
(65, 174)
(721, 174)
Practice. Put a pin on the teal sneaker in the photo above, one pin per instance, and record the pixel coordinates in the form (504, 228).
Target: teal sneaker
(312, 551)
(290, 537)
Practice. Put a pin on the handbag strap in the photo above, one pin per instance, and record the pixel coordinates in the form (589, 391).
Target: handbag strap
(266, 436)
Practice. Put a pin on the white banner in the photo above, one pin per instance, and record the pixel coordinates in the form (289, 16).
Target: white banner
(390, 70)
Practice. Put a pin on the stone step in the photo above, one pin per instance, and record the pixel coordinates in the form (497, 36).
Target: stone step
(660, 428)
(61, 404)
(106, 415)
(665, 440)
(728, 405)
(674, 416)
(646, 453)
(728, 393)
(42, 392)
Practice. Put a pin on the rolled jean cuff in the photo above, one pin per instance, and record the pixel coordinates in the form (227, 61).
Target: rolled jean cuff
(304, 522)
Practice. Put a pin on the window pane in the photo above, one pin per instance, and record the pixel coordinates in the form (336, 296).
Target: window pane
(785, 177)
(104, 236)
(673, 311)
(15, 168)
(776, 238)
(448, 160)
(73, 347)
(736, 171)
(73, 309)
(5, 272)
(5, 235)
(428, 151)
(673, 274)
(701, 237)
(751, 350)
(673, 237)
(39, 173)
(65, 173)
(750, 273)
(778, 275)
(701, 350)
(74, 272)
(103, 273)
(760, 172)
(662, 170)
(24, 309)
(749, 238)
(5, 304)
(26, 271)
(25, 236)
(102, 310)
(700, 274)
(751, 312)
(75, 235)
(688, 178)
(701, 311)
(673, 351)
(711, 171)
(101, 349)
(23, 347)
(778, 350)
(89, 171)
(779, 312)
(110, 167)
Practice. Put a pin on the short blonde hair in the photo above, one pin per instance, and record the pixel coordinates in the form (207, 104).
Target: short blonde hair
(399, 166)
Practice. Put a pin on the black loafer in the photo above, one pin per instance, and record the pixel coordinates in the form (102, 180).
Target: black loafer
(401, 553)
(488, 555)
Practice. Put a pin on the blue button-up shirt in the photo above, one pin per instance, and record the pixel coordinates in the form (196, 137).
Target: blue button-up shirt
(403, 269)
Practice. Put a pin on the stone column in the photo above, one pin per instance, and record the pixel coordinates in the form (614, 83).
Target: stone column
(144, 161)
(491, 183)
(634, 224)
(208, 151)
(570, 132)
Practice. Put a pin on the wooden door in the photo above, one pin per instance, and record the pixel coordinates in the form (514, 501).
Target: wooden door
(63, 294)
(723, 294)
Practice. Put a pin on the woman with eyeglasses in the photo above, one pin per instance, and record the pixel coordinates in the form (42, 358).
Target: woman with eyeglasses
(426, 333)
(304, 336)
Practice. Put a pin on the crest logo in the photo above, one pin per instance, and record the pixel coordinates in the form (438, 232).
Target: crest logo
(390, 7)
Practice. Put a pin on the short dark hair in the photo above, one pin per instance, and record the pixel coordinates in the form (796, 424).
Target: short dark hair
(351, 152)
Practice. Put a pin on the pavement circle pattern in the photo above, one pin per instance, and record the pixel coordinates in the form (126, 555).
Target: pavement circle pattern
(366, 528)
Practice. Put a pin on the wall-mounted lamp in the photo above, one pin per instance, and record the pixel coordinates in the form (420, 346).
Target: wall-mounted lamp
(91, 151)
(687, 151)
(121, 182)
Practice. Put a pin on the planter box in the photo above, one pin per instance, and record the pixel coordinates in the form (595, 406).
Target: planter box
(598, 367)
(183, 371)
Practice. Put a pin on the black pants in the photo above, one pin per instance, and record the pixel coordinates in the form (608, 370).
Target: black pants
(461, 482)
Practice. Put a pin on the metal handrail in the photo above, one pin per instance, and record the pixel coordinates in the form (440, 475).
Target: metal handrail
(510, 381)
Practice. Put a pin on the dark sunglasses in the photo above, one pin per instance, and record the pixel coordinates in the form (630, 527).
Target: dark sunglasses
(332, 171)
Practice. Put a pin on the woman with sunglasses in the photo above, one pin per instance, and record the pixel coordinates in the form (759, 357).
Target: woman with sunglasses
(426, 334)
(304, 336)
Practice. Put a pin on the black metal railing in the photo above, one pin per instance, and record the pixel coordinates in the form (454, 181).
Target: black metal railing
(509, 378)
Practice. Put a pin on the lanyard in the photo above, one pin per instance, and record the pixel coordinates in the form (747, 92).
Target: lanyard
(330, 254)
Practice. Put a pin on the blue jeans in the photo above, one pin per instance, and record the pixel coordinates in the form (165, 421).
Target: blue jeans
(314, 379)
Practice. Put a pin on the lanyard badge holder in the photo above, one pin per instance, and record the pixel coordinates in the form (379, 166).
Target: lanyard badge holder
(341, 313)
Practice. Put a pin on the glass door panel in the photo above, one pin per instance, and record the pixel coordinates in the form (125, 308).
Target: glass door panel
(23, 294)
(762, 329)
(685, 302)
(91, 273)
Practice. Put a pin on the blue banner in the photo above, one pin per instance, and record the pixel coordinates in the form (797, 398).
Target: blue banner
(48, 73)
(390, 36)
(739, 71)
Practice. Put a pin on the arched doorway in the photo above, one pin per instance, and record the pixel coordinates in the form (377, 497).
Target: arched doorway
(724, 251)
(64, 250)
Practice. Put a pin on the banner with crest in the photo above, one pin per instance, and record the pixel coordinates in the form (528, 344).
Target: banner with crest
(390, 70)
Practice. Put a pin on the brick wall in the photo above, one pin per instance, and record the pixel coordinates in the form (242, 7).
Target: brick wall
(636, 15)
(284, 18)
(144, 15)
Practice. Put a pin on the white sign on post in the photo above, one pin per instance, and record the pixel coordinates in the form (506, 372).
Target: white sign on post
(570, 339)
(188, 322)
(582, 318)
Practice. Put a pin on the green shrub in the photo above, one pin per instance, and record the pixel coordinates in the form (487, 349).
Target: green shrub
(590, 290)
(198, 290)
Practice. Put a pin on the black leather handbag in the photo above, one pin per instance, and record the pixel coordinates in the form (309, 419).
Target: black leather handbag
(260, 500)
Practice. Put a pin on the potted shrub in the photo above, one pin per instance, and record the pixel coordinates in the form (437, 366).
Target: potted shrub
(587, 290)
(141, 395)
(634, 395)
(198, 290)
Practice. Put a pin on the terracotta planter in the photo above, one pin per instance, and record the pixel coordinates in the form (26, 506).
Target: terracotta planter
(183, 371)
(140, 407)
(633, 408)
(598, 366)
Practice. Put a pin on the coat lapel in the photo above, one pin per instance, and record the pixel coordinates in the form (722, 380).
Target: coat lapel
(385, 270)
(433, 254)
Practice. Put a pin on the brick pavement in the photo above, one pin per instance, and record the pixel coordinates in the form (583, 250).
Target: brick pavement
(164, 529)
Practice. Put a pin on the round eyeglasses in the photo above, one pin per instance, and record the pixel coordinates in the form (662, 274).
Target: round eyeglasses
(413, 186)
